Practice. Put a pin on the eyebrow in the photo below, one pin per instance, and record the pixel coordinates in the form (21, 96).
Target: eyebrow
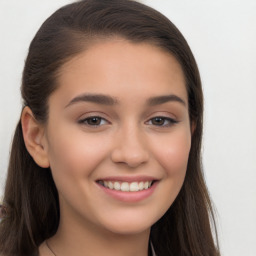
(103, 99)
(165, 98)
(94, 98)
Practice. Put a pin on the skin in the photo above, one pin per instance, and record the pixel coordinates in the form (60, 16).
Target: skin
(127, 142)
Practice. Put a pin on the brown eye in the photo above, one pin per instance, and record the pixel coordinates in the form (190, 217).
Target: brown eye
(93, 121)
(162, 121)
(158, 121)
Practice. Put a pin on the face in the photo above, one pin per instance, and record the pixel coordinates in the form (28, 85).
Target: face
(118, 136)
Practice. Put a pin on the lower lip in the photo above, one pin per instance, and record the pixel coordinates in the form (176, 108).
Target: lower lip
(129, 196)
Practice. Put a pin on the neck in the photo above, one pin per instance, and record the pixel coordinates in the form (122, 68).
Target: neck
(76, 239)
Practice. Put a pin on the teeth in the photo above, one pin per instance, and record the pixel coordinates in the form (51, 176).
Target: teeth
(110, 185)
(134, 186)
(117, 186)
(125, 186)
(141, 185)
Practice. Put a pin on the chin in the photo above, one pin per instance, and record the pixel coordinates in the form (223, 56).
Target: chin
(130, 225)
(127, 229)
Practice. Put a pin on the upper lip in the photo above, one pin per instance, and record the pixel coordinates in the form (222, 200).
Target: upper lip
(128, 178)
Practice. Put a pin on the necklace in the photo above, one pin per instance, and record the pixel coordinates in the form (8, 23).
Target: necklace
(50, 248)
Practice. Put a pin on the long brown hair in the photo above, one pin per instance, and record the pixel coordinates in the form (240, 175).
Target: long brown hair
(31, 198)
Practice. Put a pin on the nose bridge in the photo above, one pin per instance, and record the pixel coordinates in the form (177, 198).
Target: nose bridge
(130, 147)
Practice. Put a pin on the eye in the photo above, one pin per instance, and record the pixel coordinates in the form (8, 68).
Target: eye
(162, 121)
(93, 121)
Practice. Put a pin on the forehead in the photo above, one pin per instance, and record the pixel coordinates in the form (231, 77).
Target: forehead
(118, 66)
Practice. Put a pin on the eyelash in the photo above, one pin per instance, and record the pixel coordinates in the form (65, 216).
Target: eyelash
(167, 121)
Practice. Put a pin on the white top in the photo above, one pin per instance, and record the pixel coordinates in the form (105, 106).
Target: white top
(153, 251)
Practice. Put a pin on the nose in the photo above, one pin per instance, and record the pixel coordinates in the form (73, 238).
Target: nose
(130, 148)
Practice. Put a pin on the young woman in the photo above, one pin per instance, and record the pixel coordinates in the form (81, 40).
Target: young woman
(106, 156)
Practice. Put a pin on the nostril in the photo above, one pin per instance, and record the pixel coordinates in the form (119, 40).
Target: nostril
(132, 158)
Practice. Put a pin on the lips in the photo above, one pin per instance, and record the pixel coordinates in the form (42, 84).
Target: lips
(125, 186)
(128, 189)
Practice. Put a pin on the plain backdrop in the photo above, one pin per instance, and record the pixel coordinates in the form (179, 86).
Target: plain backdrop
(222, 36)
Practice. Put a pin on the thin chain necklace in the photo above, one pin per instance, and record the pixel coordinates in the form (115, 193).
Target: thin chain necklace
(50, 248)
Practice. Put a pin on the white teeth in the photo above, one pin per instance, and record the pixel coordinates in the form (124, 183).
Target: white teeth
(125, 186)
(146, 185)
(110, 185)
(134, 186)
(117, 186)
(141, 185)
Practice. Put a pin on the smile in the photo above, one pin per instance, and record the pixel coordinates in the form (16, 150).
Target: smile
(126, 186)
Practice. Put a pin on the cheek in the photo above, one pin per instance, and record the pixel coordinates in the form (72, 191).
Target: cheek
(173, 153)
(74, 153)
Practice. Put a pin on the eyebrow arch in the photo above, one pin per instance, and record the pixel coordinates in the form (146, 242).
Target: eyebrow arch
(165, 98)
(110, 101)
(94, 98)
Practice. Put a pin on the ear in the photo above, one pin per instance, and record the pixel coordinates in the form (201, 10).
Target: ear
(193, 127)
(34, 138)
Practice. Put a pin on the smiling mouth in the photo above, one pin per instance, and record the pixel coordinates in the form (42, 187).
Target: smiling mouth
(126, 186)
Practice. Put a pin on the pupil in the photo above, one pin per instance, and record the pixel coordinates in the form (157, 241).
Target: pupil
(94, 120)
(158, 121)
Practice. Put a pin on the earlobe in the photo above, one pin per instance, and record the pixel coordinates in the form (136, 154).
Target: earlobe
(33, 134)
(193, 127)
